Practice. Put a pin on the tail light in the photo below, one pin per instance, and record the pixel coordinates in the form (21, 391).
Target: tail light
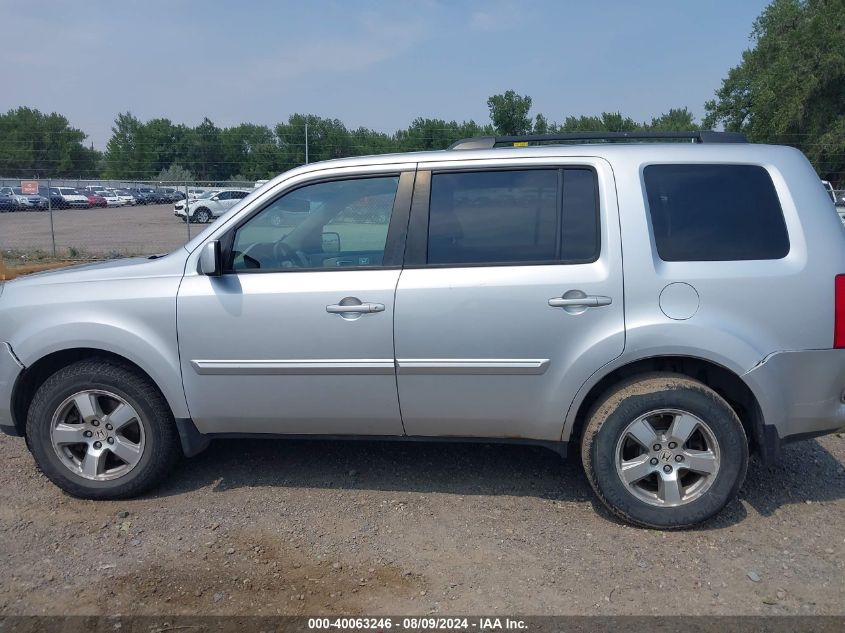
(839, 318)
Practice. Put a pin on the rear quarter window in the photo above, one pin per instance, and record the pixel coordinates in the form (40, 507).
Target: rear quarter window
(715, 213)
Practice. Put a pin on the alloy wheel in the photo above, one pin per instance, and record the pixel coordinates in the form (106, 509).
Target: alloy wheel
(667, 457)
(97, 435)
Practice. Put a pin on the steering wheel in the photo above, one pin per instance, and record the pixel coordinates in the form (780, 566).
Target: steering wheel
(284, 253)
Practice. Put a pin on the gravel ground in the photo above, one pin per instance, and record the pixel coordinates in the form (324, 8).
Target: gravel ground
(141, 230)
(285, 527)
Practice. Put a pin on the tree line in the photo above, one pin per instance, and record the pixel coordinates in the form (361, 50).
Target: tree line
(789, 88)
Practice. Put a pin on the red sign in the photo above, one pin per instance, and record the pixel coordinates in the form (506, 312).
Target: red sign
(29, 187)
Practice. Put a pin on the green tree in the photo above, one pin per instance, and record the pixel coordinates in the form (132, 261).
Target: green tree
(509, 113)
(205, 153)
(175, 173)
(676, 120)
(790, 86)
(249, 151)
(124, 152)
(34, 144)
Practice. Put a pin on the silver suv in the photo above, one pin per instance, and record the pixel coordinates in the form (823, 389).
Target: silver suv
(662, 308)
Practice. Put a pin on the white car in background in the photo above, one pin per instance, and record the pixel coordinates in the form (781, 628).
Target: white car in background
(112, 199)
(71, 197)
(125, 197)
(210, 205)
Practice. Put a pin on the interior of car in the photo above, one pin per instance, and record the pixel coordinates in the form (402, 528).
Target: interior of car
(324, 225)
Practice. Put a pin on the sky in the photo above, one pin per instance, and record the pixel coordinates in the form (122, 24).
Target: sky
(371, 63)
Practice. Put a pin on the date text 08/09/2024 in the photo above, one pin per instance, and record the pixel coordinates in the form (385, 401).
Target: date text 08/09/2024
(418, 624)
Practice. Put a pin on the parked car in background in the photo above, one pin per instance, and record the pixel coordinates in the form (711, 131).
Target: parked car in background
(7, 201)
(167, 195)
(28, 201)
(175, 193)
(71, 198)
(180, 208)
(54, 199)
(94, 199)
(111, 198)
(19, 202)
(142, 195)
(195, 193)
(127, 198)
(203, 210)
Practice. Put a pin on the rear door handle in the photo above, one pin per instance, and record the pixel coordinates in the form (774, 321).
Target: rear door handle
(361, 308)
(590, 301)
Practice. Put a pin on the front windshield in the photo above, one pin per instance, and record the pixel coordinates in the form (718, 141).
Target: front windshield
(208, 194)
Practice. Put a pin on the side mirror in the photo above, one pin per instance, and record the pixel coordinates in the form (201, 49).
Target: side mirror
(211, 262)
(331, 242)
(216, 198)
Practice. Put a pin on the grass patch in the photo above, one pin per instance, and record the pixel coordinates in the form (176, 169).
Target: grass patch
(10, 272)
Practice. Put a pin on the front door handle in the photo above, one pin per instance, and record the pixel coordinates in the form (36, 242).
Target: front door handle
(358, 308)
(589, 301)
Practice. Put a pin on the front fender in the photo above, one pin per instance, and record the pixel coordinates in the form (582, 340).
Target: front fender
(133, 318)
(145, 349)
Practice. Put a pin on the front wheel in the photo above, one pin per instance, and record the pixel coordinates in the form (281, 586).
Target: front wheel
(202, 216)
(99, 430)
(664, 451)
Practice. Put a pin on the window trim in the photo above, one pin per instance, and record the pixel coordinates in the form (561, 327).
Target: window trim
(416, 252)
(397, 228)
(650, 217)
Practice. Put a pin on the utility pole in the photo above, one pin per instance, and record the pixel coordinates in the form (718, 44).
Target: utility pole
(306, 143)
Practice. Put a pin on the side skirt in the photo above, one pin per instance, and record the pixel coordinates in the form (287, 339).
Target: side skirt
(194, 442)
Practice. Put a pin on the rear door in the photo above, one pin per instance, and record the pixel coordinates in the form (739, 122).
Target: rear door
(511, 296)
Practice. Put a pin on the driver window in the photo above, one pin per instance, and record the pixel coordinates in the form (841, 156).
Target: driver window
(334, 224)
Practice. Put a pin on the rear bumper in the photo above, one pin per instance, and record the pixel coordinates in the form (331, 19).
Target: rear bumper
(10, 369)
(800, 393)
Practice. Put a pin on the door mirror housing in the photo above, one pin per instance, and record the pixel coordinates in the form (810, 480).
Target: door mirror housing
(216, 198)
(211, 261)
(331, 242)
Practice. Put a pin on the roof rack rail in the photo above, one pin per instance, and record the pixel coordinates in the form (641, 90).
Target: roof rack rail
(701, 136)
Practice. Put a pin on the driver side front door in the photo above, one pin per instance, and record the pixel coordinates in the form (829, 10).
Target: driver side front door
(292, 339)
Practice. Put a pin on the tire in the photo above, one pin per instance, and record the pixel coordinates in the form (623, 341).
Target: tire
(202, 216)
(613, 449)
(150, 436)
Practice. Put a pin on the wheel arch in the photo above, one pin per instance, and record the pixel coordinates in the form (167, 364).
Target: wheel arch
(726, 382)
(34, 375)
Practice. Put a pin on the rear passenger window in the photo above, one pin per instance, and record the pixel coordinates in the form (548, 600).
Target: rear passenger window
(519, 216)
(715, 213)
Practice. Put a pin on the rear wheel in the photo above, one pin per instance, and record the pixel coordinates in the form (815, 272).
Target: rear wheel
(98, 430)
(664, 451)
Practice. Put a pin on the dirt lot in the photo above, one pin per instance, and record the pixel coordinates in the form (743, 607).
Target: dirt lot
(141, 230)
(284, 527)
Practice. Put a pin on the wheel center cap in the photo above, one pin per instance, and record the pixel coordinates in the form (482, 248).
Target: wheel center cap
(100, 434)
(666, 456)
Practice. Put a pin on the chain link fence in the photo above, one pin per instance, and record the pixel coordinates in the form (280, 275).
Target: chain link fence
(101, 219)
